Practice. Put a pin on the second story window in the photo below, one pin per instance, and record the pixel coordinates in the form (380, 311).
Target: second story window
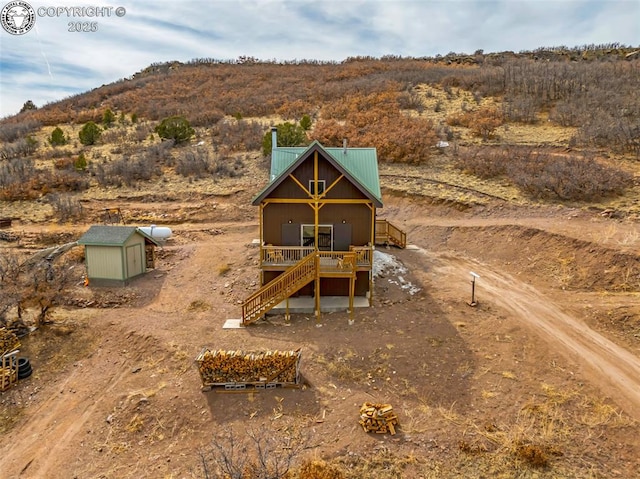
(312, 187)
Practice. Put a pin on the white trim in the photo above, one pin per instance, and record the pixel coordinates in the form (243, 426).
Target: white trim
(313, 227)
(322, 186)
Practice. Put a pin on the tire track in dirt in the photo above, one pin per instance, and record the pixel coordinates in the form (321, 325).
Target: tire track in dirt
(58, 420)
(615, 370)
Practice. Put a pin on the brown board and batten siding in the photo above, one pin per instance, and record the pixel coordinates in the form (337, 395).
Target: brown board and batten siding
(282, 223)
(344, 209)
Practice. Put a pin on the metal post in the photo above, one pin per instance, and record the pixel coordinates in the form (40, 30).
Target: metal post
(474, 276)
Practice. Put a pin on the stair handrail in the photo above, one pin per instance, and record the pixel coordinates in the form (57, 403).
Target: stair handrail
(279, 288)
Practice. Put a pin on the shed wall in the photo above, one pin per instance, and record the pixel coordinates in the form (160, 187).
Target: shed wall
(105, 262)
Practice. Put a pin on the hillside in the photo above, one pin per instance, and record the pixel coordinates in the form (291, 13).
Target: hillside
(520, 167)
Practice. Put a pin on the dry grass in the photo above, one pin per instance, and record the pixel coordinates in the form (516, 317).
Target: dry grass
(224, 269)
(199, 305)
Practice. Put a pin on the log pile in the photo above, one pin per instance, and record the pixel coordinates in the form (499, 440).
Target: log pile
(9, 345)
(8, 341)
(224, 367)
(378, 418)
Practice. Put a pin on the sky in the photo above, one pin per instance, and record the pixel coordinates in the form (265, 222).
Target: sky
(50, 62)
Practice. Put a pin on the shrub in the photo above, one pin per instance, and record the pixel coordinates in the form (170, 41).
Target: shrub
(305, 122)
(482, 123)
(57, 137)
(318, 470)
(127, 171)
(254, 455)
(113, 136)
(545, 174)
(140, 132)
(90, 133)
(80, 164)
(176, 128)
(192, 164)
(289, 134)
(11, 132)
(19, 149)
(240, 135)
(65, 207)
(108, 118)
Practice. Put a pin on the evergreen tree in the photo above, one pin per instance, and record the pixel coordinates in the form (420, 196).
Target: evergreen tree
(80, 163)
(108, 118)
(57, 137)
(90, 133)
(28, 105)
(305, 122)
(176, 128)
(289, 134)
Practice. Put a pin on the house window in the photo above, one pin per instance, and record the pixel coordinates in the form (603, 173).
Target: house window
(325, 236)
(312, 186)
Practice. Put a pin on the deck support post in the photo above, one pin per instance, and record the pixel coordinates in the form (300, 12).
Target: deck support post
(317, 289)
(287, 317)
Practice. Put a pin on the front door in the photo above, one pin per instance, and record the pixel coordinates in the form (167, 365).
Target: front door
(325, 236)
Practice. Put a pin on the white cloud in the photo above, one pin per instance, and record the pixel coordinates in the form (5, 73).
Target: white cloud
(50, 63)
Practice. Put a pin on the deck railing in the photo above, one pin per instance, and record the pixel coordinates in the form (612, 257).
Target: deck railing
(364, 256)
(288, 255)
(284, 255)
(386, 233)
(279, 289)
(336, 263)
(318, 264)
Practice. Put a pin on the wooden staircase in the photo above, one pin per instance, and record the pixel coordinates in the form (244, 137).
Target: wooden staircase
(279, 289)
(388, 234)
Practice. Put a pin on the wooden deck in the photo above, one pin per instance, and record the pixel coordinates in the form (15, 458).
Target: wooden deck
(300, 265)
(316, 265)
(388, 234)
(275, 258)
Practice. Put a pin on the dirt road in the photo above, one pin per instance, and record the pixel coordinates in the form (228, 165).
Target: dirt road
(611, 367)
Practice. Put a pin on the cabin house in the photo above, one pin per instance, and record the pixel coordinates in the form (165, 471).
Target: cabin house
(317, 226)
(116, 254)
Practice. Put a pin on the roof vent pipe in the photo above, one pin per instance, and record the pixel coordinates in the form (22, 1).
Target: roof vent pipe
(344, 146)
(274, 138)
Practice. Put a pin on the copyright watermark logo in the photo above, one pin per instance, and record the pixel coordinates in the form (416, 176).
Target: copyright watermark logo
(17, 17)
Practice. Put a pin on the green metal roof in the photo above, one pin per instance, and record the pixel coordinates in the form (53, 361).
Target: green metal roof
(360, 164)
(111, 235)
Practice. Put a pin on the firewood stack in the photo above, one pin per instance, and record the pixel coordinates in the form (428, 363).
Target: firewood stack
(223, 367)
(378, 418)
(8, 341)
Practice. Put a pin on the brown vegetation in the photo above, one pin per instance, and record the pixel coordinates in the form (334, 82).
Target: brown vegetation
(471, 386)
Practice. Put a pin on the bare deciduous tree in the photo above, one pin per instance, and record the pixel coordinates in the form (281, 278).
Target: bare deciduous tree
(258, 455)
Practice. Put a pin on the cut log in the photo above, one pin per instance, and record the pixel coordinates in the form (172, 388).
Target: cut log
(378, 418)
(224, 367)
(8, 341)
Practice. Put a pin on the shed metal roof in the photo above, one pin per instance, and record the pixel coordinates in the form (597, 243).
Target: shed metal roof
(99, 235)
(360, 164)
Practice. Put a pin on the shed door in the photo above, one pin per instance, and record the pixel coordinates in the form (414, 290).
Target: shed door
(134, 260)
